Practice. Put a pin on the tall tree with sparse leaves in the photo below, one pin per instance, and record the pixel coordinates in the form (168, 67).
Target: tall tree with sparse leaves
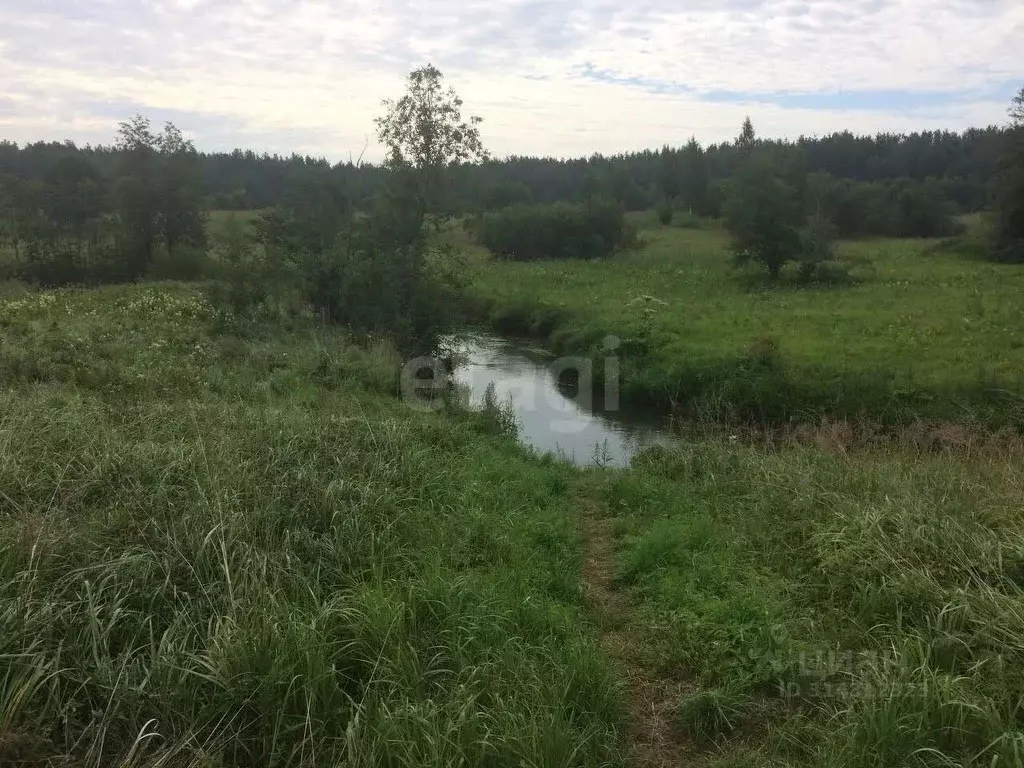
(137, 194)
(182, 214)
(425, 135)
(1009, 210)
(158, 194)
(384, 278)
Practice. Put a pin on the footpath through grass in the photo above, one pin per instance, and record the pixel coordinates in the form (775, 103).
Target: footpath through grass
(924, 335)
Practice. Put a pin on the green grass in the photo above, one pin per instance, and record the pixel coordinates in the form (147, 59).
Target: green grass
(239, 551)
(834, 605)
(925, 334)
(832, 610)
(245, 550)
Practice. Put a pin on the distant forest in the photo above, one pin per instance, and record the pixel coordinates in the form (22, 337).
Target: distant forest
(958, 167)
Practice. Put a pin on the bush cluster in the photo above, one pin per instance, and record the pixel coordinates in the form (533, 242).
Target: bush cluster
(899, 208)
(595, 229)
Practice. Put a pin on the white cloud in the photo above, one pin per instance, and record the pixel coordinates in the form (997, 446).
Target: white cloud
(563, 78)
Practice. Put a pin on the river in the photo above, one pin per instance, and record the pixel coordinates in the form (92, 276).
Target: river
(553, 416)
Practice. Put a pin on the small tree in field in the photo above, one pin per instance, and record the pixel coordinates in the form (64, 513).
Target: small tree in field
(382, 276)
(182, 215)
(817, 246)
(159, 194)
(665, 212)
(763, 213)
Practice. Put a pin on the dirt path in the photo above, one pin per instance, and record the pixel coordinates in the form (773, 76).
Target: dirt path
(654, 738)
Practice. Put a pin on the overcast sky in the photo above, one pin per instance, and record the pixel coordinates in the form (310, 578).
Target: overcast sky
(551, 78)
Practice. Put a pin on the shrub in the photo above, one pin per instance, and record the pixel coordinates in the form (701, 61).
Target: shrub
(977, 241)
(665, 213)
(247, 283)
(709, 715)
(688, 220)
(52, 263)
(899, 208)
(595, 229)
(1010, 254)
(923, 211)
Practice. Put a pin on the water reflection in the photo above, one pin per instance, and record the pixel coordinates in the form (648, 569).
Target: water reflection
(552, 416)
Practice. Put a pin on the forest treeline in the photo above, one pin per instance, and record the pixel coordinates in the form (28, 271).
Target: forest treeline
(343, 236)
(958, 167)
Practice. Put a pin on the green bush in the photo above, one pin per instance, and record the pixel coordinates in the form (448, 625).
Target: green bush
(688, 220)
(817, 248)
(711, 714)
(921, 210)
(248, 282)
(595, 229)
(896, 208)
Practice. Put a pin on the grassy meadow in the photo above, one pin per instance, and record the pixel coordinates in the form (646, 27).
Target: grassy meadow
(228, 547)
(924, 333)
(237, 551)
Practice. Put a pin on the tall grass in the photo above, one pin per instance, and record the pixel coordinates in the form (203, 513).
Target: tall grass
(239, 549)
(226, 551)
(861, 610)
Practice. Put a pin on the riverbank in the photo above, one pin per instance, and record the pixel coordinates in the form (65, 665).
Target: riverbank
(925, 336)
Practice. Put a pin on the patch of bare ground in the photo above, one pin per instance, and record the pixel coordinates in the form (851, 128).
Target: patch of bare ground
(655, 739)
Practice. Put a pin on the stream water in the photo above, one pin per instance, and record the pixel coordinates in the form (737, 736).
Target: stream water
(582, 426)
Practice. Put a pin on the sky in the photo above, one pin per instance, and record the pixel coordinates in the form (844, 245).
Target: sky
(552, 77)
